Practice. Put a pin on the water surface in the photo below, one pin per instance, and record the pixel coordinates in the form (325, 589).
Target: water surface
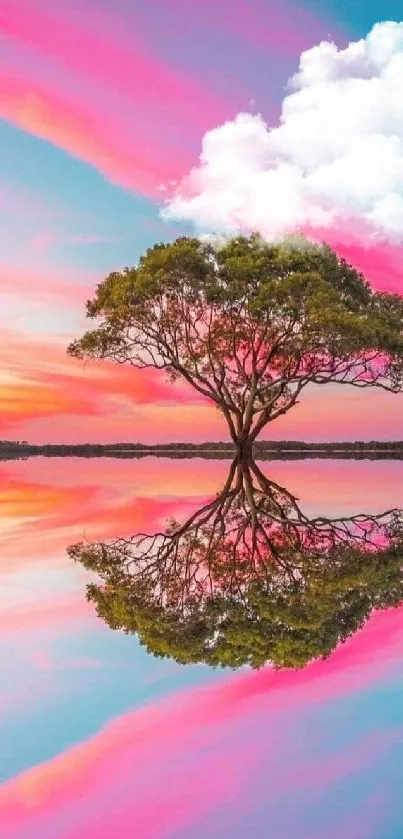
(100, 738)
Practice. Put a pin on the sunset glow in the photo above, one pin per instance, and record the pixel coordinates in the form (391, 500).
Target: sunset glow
(208, 643)
(101, 116)
(142, 718)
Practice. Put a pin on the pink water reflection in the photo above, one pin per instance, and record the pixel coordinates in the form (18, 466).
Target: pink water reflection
(217, 754)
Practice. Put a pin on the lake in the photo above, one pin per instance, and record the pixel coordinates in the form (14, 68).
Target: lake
(103, 736)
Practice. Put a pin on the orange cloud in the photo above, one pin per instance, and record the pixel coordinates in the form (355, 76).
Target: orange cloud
(40, 380)
(22, 401)
(130, 479)
(44, 509)
(27, 500)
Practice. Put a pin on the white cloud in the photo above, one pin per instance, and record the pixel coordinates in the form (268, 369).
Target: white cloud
(335, 157)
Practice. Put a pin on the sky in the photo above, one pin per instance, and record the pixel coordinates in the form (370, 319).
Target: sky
(98, 738)
(105, 110)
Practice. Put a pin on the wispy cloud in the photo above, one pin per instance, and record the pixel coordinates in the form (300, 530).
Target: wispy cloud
(42, 660)
(42, 389)
(44, 240)
(40, 380)
(39, 615)
(40, 242)
(50, 285)
(201, 734)
(102, 97)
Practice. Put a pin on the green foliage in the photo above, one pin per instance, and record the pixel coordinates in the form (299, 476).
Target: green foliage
(248, 324)
(248, 578)
(286, 625)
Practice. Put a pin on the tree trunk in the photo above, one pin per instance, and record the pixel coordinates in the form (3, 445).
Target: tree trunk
(244, 445)
(241, 431)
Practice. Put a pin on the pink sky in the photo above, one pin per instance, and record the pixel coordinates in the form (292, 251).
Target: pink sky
(232, 746)
(97, 112)
(124, 773)
(103, 107)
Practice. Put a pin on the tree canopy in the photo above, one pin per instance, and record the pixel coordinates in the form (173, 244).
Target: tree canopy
(248, 578)
(248, 324)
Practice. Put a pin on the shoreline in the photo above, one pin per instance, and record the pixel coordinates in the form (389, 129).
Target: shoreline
(261, 452)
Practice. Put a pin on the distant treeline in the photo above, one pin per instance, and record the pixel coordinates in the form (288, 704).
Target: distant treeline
(262, 449)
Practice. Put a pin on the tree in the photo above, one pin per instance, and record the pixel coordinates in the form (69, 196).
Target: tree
(248, 324)
(248, 578)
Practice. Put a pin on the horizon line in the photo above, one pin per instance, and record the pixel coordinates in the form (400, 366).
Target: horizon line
(206, 444)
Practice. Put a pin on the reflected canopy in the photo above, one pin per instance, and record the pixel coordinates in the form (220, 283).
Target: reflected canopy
(248, 578)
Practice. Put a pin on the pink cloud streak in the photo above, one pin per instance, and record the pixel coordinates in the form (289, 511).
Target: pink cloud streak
(177, 732)
(46, 382)
(44, 614)
(44, 509)
(85, 134)
(91, 120)
(42, 660)
(50, 286)
(380, 261)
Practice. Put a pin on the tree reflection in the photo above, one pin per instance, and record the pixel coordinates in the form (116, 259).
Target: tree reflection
(248, 578)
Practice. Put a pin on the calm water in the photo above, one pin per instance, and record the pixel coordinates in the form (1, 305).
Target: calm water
(100, 738)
